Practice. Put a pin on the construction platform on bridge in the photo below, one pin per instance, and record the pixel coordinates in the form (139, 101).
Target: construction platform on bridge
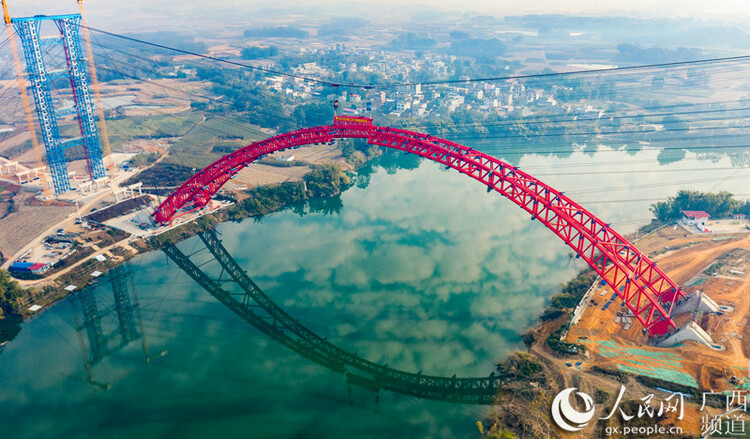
(709, 264)
(140, 222)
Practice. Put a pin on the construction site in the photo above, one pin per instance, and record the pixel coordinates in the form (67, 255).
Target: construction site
(710, 350)
(672, 305)
(69, 205)
(61, 202)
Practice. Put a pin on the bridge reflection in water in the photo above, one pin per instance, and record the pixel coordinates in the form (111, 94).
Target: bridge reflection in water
(254, 306)
(108, 329)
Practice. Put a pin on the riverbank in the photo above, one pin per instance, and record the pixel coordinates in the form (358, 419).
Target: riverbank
(609, 353)
(321, 183)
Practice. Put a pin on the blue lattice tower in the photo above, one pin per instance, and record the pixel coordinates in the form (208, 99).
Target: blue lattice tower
(120, 277)
(29, 30)
(69, 29)
(92, 322)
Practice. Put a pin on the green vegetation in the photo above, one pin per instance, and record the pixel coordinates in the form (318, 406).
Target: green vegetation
(162, 175)
(143, 127)
(562, 304)
(637, 54)
(314, 113)
(412, 41)
(10, 199)
(520, 367)
(259, 52)
(562, 347)
(573, 291)
(263, 200)
(185, 231)
(718, 205)
(722, 260)
(688, 390)
(323, 184)
(280, 163)
(177, 40)
(277, 32)
(17, 150)
(144, 159)
(617, 374)
(198, 148)
(481, 49)
(497, 432)
(326, 181)
(10, 326)
(341, 26)
(714, 268)
(358, 151)
(243, 94)
(12, 296)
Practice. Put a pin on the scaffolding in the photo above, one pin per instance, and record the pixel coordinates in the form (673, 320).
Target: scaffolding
(41, 81)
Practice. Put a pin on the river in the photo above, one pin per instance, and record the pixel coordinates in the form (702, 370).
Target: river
(418, 268)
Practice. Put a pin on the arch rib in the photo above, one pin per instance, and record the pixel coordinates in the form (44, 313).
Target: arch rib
(643, 286)
(255, 307)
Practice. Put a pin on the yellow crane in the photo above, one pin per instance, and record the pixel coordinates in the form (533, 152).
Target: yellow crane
(25, 97)
(104, 134)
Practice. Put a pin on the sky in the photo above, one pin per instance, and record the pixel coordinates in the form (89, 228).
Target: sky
(729, 9)
(696, 8)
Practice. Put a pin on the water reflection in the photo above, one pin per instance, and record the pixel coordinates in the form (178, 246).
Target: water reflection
(111, 328)
(420, 270)
(255, 307)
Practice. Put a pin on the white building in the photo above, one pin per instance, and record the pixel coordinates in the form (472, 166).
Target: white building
(402, 105)
(697, 218)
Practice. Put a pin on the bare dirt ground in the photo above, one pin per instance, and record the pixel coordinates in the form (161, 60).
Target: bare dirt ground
(30, 219)
(691, 260)
(614, 338)
(170, 95)
(258, 174)
(20, 136)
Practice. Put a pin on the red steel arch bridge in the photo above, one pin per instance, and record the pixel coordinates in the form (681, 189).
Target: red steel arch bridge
(643, 287)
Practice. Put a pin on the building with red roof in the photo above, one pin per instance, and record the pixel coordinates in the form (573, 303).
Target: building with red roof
(697, 218)
(38, 268)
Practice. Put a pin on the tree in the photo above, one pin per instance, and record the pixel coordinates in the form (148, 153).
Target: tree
(719, 205)
(519, 367)
(259, 52)
(10, 293)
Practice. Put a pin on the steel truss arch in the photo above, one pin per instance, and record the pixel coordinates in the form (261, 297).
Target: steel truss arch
(645, 289)
(255, 307)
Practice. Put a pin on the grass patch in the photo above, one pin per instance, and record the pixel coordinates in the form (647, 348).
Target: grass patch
(17, 149)
(143, 127)
(162, 175)
(207, 141)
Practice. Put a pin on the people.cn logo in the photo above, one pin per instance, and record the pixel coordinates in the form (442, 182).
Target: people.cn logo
(566, 416)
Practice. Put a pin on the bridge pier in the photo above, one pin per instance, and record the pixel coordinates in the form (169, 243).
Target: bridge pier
(690, 332)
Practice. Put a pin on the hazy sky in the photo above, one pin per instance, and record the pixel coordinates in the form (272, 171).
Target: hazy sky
(695, 8)
(732, 9)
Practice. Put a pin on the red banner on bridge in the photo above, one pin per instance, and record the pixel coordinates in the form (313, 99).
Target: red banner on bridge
(339, 120)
